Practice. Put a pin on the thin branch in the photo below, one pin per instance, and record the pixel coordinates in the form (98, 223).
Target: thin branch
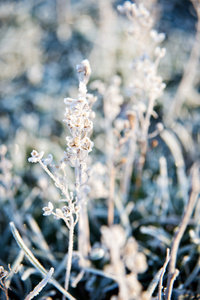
(180, 231)
(70, 250)
(162, 274)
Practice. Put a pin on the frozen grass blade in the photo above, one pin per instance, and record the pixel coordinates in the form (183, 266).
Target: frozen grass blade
(40, 286)
(35, 262)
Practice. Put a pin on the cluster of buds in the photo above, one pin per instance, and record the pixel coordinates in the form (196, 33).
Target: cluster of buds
(66, 213)
(139, 16)
(147, 83)
(78, 117)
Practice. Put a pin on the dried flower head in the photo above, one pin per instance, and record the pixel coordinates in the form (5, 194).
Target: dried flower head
(48, 209)
(35, 156)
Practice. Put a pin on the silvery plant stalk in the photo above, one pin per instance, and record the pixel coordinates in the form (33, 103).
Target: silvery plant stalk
(77, 116)
(146, 86)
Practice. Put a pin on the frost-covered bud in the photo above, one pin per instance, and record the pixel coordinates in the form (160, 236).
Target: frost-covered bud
(88, 125)
(157, 37)
(160, 52)
(35, 156)
(66, 211)
(69, 101)
(83, 71)
(126, 7)
(87, 144)
(73, 142)
(76, 209)
(48, 209)
(47, 161)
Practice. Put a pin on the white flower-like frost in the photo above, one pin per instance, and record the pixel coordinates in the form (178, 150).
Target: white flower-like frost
(35, 156)
(48, 209)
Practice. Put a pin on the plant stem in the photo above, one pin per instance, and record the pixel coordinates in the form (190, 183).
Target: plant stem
(70, 251)
(162, 274)
(111, 195)
(180, 231)
(144, 141)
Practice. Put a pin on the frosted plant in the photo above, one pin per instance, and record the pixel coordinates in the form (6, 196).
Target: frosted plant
(146, 86)
(124, 254)
(112, 101)
(78, 116)
(141, 19)
(98, 182)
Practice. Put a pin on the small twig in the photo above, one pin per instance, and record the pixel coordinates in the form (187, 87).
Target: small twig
(70, 250)
(153, 284)
(171, 283)
(162, 274)
(180, 231)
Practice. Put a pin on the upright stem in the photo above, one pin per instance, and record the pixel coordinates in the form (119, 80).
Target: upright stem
(83, 224)
(70, 250)
(128, 168)
(144, 142)
(111, 194)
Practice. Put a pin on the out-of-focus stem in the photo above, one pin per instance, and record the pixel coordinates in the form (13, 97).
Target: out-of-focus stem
(144, 142)
(180, 231)
(128, 168)
(160, 286)
(83, 224)
(111, 195)
(70, 251)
